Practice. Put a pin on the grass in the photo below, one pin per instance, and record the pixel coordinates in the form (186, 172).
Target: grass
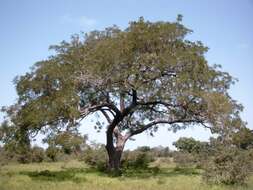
(74, 175)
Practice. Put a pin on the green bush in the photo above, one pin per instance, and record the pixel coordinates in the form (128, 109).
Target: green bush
(95, 157)
(228, 165)
(52, 152)
(136, 160)
(184, 159)
(24, 156)
(5, 157)
(37, 154)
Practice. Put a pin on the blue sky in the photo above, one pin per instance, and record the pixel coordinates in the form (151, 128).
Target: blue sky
(28, 27)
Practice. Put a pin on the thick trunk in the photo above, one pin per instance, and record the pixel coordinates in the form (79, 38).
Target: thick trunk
(114, 159)
(114, 152)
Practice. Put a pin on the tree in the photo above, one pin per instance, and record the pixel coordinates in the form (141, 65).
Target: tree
(145, 76)
(68, 141)
(95, 156)
(15, 138)
(52, 152)
(37, 154)
(190, 145)
(143, 149)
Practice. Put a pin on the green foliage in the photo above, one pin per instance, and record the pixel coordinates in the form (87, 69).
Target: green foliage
(184, 159)
(37, 154)
(52, 152)
(74, 175)
(137, 159)
(243, 138)
(144, 149)
(228, 165)
(191, 152)
(67, 141)
(139, 77)
(161, 151)
(189, 145)
(95, 156)
(16, 142)
(168, 73)
(57, 176)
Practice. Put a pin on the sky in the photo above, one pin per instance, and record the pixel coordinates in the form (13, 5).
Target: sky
(29, 27)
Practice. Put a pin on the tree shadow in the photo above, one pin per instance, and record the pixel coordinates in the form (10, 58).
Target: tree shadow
(77, 175)
(157, 172)
(71, 174)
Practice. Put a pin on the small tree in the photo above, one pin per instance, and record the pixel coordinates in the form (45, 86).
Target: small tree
(67, 141)
(189, 145)
(16, 140)
(37, 154)
(52, 152)
(145, 76)
(95, 156)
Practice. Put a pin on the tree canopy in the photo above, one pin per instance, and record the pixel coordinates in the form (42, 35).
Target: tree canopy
(190, 145)
(139, 78)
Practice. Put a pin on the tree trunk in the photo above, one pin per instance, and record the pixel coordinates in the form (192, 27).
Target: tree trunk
(114, 159)
(115, 152)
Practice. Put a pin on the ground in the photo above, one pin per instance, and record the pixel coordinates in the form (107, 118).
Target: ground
(75, 175)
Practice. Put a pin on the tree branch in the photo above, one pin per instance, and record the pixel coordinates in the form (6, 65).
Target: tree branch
(106, 116)
(90, 109)
(133, 104)
(157, 103)
(151, 124)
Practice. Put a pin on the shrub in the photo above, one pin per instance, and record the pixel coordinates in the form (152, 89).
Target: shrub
(136, 159)
(52, 153)
(37, 154)
(95, 156)
(4, 156)
(24, 156)
(184, 159)
(160, 151)
(228, 165)
(162, 162)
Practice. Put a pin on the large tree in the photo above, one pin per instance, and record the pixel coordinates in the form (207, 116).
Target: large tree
(145, 76)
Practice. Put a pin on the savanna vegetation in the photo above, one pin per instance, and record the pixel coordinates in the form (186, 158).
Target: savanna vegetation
(143, 168)
(75, 175)
(146, 76)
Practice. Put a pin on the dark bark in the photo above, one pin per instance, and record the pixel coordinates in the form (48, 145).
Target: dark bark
(114, 159)
(115, 151)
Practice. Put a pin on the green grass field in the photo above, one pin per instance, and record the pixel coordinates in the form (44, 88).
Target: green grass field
(76, 175)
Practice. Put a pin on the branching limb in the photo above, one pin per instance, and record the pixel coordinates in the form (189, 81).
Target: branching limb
(153, 123)
(91, 109)
(106, 116)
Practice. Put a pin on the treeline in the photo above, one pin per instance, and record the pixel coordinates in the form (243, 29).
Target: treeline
(68, 146)
(226, 159)
(60, 146)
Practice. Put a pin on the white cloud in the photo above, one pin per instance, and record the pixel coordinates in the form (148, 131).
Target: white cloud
(81, 21)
